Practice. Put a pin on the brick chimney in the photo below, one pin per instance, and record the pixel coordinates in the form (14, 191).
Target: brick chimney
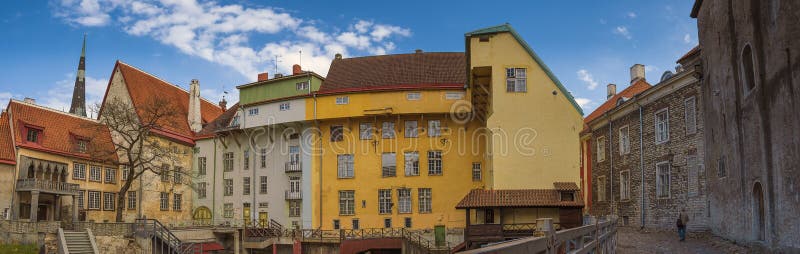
(296, 69)
(223, 104)
(611, 89)
(195, 122)
(263, 76)
(637, 72)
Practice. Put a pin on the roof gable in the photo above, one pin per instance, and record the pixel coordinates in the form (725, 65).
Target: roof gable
(507, 28)
(7, 155)
(478, 198)
(629, 92)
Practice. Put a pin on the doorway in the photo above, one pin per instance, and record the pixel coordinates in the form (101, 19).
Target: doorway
(758, 212)
(262, 219)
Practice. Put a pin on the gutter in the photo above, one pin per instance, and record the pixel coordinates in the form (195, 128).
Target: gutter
(611, 159)
(641, 162)
(316, 125)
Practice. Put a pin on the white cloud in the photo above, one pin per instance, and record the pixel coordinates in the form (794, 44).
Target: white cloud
(631, 15)
(223, 33)
(623, 31)
(585, 103)
(586, 77)
(60, 95)
(687, 38)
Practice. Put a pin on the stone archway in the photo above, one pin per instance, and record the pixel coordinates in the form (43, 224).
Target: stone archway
(759, 227)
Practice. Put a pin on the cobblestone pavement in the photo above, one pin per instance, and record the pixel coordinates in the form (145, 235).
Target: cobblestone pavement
(633, 240)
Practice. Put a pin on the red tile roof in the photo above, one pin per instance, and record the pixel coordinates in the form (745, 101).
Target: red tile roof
(142, 86)
(689, 53)
(59, 131)
(566, 186)
(632, 90)
(396, 72)
(7, 155)
(517, 198)
(218, 124)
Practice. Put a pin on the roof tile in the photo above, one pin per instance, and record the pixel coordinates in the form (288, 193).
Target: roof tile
(632, 90)
(6, 143)
(517, 198)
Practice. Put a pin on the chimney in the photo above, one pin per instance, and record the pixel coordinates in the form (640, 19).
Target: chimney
(296, 69)
(223, 104)
(418, 51)
(637, 72)
(29, 100)
(612, 90)
(337, 56)
(195, 122)
(263, 76)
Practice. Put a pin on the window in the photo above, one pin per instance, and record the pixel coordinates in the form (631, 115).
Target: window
(228, 183)
(404, 200)
(424, 200)
(235, 121)
(388, 164)
(294, 184)
(246, 159)
(227, 162)
(79, 171)
(454, 95)
(164, 173)
(411, 163)
(263, 205)
(80, 196)
(108, 201)
(567, 196)
(516, 80)
(94, 200)
(690, 111)
(407, 222)
(33, 135)
(95, 173)
(721, 172)
(624, 141)
(601, 188)
(262, 188)
(246, 186)
(164, 204)
(356, 224)
(411, 129)
(693, 177)
(365, 130)
(301, 85)
(177, 176)
(294, 208)
(342, 100)
(284, 106)
(201, 190)
(601, 149)
(263, 157)
(415, 96)
(81, 145)
(131, 200)
(662, 179)
(434, 162)
(201, 166)
(476, 171)
(434, 128)
(748, 68)
(125, 172)
(227, 210)
(384, 201)
(337, 133)
(252, 111)
(345, 165)
(336, 224)
(387, 222)
(387, 130)
(347, 202)
(111, 175)
(662, 126)
(177, 201)
(624, 185)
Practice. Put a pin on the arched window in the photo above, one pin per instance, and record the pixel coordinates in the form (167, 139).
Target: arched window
(758, 212)
(748, 68)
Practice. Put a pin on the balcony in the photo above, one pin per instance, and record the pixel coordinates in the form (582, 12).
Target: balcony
(294, 195)
(293, 167)
(33, 184)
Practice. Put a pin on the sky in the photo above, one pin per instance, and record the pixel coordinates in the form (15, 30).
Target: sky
(587, 44)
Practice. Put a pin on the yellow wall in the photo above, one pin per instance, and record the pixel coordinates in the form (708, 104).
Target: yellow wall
(548, 123)
(461, 146)
(431, 101)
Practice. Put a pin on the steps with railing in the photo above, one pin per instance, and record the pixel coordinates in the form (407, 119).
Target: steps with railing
(163, 239)
(76, 242)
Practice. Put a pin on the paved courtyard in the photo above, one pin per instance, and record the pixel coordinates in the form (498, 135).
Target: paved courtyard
(633, 240)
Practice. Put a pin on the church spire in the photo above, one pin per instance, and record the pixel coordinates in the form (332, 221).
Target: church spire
(78, 106)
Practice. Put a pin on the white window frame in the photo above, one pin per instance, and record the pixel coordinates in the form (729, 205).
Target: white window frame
(246, 185)
(411, 163)
(690, 115)
(202, 191)
(284, 106)
(342, 100)
(435, 163)
(201, 166)
(624, 185)
(227, 210)
(388, 130)
(345, 165)
(263, 156)
(252, 112)
(413, 96)
(227, 162)
(177, 175)
(365, 130)
(132, 200)
(660, 137)
(228, 187)
(95, 173)
(389, 164)
(177, 202)
(110, 175)
(109, 200)
(624, 140)
(94, 200)
(601, 189)
(411, 130)
(300, 86)
(263, 185)
(246, 159)
(384, 201)
(425, 200)
(163, 199)
(516, 77)
(434, 128)
(294, 208)
(347, 202)
(601, 148)
(660, 185)
(476, 171)
(404, 200)
(79, 171)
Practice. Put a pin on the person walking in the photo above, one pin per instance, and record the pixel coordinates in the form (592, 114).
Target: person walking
(683, 220)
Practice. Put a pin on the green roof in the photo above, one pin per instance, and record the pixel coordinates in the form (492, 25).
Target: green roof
(507, 28)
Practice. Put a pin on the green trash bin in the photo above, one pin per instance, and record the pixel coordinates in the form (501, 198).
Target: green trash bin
(440, 234)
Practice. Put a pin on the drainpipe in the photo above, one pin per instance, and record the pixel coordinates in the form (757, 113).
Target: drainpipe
(641, 163)
(611, 159)
(213, 184)
(316, 125)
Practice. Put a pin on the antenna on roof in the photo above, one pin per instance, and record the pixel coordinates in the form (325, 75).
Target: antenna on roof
(276, 61)
(301, 58)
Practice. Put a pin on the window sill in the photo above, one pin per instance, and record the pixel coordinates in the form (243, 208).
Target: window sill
(347, 214)
(428, 212)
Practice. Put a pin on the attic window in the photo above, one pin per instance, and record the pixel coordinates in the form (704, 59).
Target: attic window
(567, 196)
(516, 80)
(484, 38)
(81, 145)
(33, 135)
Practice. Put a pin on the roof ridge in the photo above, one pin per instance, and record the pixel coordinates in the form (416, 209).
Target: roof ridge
(162, 80)
(402, 54)
(53, 110)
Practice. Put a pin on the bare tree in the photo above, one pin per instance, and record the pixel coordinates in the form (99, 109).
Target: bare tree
(132, 131)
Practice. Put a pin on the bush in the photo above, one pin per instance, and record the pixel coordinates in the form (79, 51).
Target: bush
(19, 249)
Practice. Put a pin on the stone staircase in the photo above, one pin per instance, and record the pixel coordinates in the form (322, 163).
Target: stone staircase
(76, 242)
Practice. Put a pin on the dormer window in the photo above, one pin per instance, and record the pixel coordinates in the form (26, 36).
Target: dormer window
(33, 135)
(567, 196)
(235, 121)
(81, 145)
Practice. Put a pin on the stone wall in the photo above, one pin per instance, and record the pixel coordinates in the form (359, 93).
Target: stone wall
(752, 119)
(116, 245)
(106, 229)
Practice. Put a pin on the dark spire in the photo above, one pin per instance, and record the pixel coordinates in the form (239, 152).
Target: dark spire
(79, 94)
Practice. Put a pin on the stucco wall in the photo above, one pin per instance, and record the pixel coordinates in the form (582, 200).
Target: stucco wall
(7, 182)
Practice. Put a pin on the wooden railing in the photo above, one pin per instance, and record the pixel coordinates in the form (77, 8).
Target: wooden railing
(596, 237)
(291, 167)
(33, 184)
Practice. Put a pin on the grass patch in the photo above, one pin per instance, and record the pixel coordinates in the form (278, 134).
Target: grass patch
(19, 249)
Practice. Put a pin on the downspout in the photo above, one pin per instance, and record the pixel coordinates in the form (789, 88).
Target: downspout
(611, 159)
(316, 125)
(641, 163)
(213, 184)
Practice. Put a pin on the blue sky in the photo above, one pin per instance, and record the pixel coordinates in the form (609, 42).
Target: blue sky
(588, 44)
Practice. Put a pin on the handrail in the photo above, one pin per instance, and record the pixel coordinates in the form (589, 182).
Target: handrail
(47, 185)
(263, 233)
(293, 167)
(159, 230)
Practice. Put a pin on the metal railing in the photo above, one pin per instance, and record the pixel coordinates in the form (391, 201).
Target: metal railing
(294, 195)
(596, 237)
(33, 184)
(162, 240)
(338, 236)
(293, 166)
